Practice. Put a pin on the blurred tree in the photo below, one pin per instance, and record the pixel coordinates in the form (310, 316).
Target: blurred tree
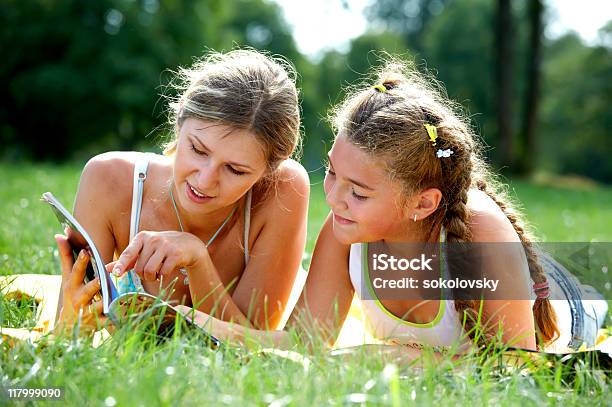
(338, 74)
(410, 18)
(526, 159)
(459, 46)
(504, 63)
(369, 51)
(322, 83)
(576, 117)
(83, 77)
(79, 73)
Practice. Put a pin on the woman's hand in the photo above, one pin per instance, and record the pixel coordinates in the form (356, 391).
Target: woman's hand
(156, 254)
(237, 333)
(197, 317)
(216, 327)
(77, 297)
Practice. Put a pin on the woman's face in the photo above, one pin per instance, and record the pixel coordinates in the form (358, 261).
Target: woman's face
(215, 164)
(364, 201)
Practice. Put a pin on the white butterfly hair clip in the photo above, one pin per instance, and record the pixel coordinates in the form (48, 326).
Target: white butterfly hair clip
(444, 153)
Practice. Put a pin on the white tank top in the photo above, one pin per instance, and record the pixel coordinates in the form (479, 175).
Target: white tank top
(443, 331)
(131, 282)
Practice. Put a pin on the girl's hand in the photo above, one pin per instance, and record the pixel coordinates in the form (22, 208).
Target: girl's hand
(77, 297)
(156, 254)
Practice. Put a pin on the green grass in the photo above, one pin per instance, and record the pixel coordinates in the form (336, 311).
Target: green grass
(17, 311)
(130, 369)
(26, 225)
(562, 214)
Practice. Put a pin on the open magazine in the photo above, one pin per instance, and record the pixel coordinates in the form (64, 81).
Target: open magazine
(120, 307)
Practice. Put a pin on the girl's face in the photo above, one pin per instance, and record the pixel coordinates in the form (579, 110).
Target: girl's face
(364, 201)
(215, 165)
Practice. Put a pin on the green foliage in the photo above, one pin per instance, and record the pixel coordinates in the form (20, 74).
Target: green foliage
(85, 76)
(79, 78)
(576, 116)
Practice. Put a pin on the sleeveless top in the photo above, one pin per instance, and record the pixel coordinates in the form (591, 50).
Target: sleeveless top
(577, 320)
(132, 282)
(443, 331)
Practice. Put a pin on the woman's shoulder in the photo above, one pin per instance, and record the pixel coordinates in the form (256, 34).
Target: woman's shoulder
(118, 166)
(293, 177)
(488, 222)
(111, 173)
(289, 193)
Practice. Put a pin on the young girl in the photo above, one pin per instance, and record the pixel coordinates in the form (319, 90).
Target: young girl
(405, 168)
(220, 218)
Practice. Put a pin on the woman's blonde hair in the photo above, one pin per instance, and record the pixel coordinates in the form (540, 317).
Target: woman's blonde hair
(388, 123)
(245, 89)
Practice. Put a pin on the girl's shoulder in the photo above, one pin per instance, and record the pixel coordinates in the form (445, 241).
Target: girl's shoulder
(488, 222)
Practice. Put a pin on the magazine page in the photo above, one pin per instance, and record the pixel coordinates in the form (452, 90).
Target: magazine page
(79, 239)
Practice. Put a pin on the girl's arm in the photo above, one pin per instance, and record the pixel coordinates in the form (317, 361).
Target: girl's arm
(327, 295)
(503, 259)
(236, 333)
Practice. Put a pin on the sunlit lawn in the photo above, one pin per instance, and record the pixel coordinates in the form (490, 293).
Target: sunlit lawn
(130, 371)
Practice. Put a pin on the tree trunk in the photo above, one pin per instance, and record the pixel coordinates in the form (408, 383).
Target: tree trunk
(532, 97)
(504, 36)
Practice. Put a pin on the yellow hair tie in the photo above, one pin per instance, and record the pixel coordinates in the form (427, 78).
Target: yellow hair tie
(432, 132)
(381, 88)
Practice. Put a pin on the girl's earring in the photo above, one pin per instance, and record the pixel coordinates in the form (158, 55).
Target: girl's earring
(415, 217)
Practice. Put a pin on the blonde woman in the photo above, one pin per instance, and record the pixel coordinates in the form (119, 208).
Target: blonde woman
(220, 217)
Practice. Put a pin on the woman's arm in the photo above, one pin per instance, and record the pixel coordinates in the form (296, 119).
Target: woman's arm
(91, 209)
(259, 297)
(98, 197)
(322, 307)
(276, 251)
